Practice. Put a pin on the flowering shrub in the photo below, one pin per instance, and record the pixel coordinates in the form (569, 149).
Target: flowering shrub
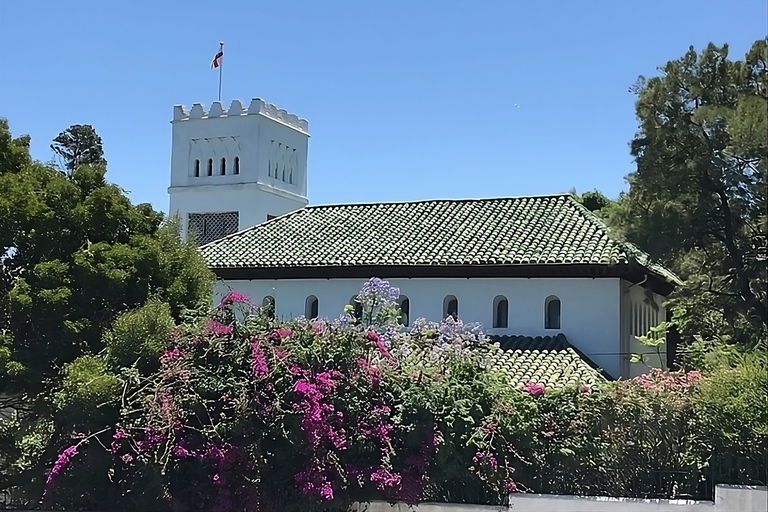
(241, 412)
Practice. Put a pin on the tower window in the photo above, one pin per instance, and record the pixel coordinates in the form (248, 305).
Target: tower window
(451, 307)
(552, 313)
(207, 227)
(500, 312)
(311, 307)
(237, 165)
(210, 167)
(223, 168)
(405, 310)
(197, 168)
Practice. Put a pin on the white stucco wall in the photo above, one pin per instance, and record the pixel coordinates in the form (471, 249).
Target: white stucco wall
(589, 307)
(638, 316)
(261, 137)
(728, 498)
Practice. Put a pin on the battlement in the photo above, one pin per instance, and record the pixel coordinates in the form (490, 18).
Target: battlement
(257, 106)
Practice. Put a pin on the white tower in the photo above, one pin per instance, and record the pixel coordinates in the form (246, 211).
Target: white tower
(233, 169)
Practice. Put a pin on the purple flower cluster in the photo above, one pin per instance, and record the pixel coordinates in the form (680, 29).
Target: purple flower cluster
(259, 367)
(150, 439)
(319, 418)
(315, 481)
(484, 458)
(378, 293)
(384, 478)
(61, 462)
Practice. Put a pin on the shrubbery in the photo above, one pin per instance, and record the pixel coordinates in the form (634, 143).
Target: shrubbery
(242, 412)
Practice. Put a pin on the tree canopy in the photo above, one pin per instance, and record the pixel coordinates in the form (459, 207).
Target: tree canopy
(74, 253)
(78, 145)
(697, 200)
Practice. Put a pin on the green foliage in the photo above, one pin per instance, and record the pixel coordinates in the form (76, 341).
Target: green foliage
(78, 145)
(87, 384)
(141, 333)
(697, 201)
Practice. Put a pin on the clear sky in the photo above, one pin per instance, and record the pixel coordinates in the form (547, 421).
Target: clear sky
(405, 99)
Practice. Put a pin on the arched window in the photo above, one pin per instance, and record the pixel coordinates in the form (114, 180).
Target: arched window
(223, 168)
(358, 311)
(405, 310)
(268, 305)
(237, 165)
(310, 307)
(210, 167)
(500, 312)
(552, 313)
(451, 307)
(197, 168)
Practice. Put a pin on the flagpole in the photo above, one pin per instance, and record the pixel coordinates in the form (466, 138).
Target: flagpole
(221, 66)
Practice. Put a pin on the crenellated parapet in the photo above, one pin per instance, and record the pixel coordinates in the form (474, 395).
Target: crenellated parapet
(257, 106)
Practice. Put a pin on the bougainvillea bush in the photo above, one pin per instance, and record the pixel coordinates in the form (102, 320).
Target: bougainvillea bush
(237, 411)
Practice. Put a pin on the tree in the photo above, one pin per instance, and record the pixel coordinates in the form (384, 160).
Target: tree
(697, 200)
(78, 145)
(74, 254)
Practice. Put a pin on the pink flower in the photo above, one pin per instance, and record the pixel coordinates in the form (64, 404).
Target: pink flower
(259, 366)
(127, 458)
(233, 297)
(171, 354)
(60, 464)
(384, 478)
(534, 388)
(219, 329)
(118, 435)
(585, 388)
(282, 332)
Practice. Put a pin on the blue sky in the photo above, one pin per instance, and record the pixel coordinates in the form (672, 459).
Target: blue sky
(405, 100)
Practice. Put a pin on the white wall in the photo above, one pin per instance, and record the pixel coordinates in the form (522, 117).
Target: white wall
(252, 135)
(728, 498)
(589, 307)
(637, 316)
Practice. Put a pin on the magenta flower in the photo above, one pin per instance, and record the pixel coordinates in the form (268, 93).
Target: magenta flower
(282, 332)
(259, 366)
(534, 388)
(59, 465)
(384, 478)
(118, 435)
(219, 329)
(234, 297)
(171, 354)
(127, 458)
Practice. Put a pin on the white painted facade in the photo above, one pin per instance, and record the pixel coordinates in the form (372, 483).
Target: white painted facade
(590, 316)
(728, 498)
(250, 161)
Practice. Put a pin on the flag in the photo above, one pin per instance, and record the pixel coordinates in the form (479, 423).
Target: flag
(217, 60)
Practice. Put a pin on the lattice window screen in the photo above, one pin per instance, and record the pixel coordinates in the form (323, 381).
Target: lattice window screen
(207, 227)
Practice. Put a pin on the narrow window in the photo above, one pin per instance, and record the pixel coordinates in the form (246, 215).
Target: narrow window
(210, 167)
(197, 168)
(552, 313)
(237, 165)
(223, 168)
(268, 305)
(405, 310)
(451, 307)
(357, 314)
(310, 307)
(500, 312)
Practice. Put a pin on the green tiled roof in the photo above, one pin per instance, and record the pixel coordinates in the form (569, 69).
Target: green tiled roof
(547, 360)
(520, 231)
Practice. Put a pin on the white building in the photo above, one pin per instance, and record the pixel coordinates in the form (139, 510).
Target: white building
(533, 266)
(232, 169)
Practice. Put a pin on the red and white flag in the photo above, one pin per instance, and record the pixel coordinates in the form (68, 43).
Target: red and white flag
(217, 60)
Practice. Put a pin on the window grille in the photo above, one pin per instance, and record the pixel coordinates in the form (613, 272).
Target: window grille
(207, 227)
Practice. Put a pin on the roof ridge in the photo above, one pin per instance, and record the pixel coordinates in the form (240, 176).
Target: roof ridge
(439, 200)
